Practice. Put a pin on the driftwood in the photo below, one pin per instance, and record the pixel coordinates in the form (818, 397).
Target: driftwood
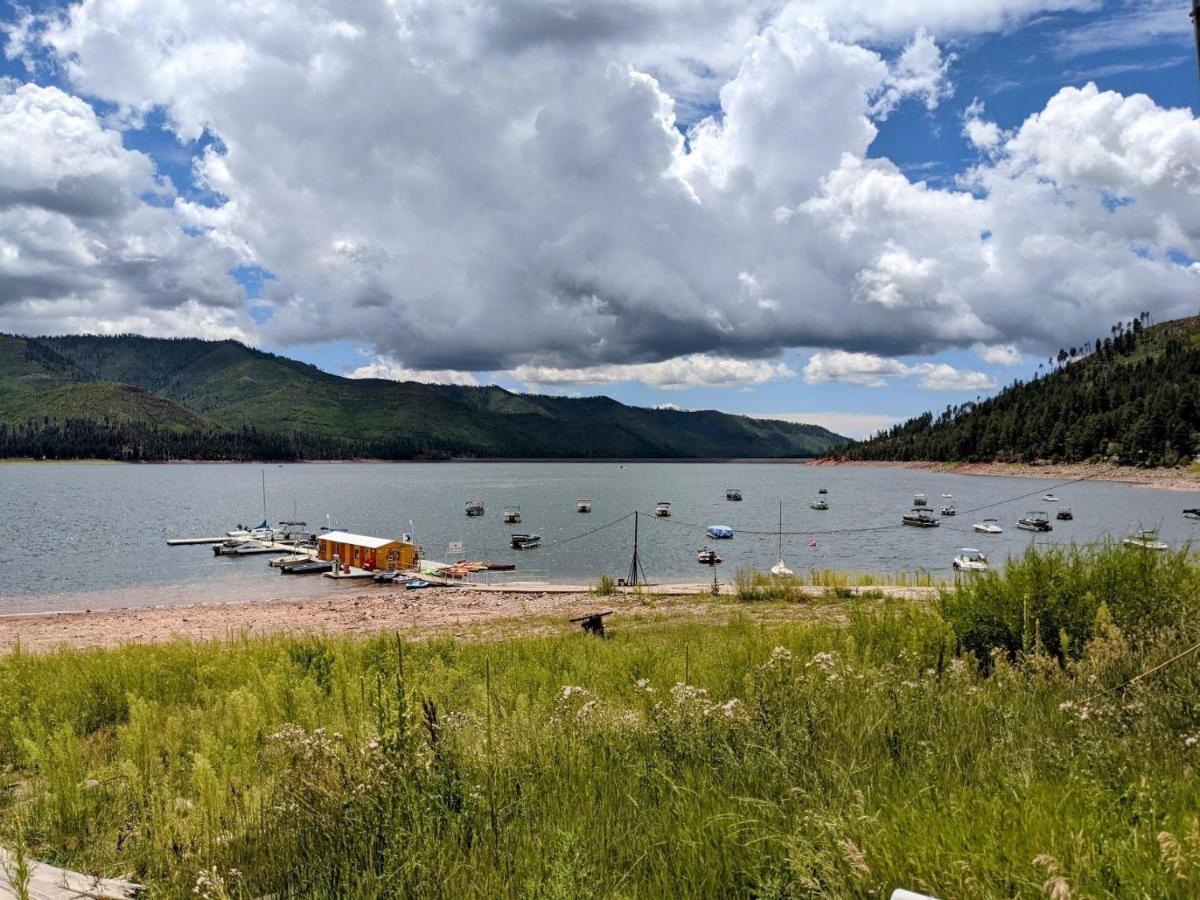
(49, 883)
(593, 623)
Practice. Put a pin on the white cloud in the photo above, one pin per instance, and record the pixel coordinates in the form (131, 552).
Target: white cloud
(982, 134)
(497, 186)
(850, 424)
(871, 370)
(1142, 23)
(1000, 354)
(392, 371)
(696, 370)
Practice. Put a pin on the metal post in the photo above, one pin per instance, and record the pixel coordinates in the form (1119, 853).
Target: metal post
(1196, 26)
(635, 565)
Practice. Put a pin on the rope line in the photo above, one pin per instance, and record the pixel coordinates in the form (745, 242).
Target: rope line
(1147, 673)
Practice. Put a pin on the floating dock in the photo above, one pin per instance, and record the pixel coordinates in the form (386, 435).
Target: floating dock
(187, 542)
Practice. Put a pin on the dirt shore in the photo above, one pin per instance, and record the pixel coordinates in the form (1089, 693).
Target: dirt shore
(1163, 479)
(461, 613)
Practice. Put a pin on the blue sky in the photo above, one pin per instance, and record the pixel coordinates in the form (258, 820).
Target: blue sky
(525, 220)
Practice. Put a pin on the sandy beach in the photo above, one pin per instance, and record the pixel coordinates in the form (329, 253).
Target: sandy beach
(464, 613)
(1163, 479)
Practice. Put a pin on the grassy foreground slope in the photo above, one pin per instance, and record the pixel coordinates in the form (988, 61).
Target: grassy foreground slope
(221, 388)
(672, 760)
(1131, 397)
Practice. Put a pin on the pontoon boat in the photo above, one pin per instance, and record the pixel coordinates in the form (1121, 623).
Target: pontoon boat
(969, 559)
(526, 541)
(733, 494)
(474, 508)
(663, 509)
(1035, 520)
(920, 500)
(583, 506)
(512, 514)
(920, 517)
(1145, 540)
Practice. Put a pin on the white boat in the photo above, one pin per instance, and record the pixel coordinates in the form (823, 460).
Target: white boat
(819, 503)
(1034, 520)
(948, 509)
(947, 496)
(583, 506)
(236, 547)
(1193, 513)
(920, 500)
(968, 559)
(779, 569)
(1145, 540)
(719, 532)
(707, 557)
(1049, 498)
(988, 526)
(512, 514)
(663, 509)
(920, 517)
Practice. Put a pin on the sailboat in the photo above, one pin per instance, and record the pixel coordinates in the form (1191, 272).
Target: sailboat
(779, 568)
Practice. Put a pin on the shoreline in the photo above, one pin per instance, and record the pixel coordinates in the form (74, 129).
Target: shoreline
(1160, 479)
(471, 613)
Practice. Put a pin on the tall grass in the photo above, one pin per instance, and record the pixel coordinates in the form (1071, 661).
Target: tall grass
(754, 585)
(792, 760)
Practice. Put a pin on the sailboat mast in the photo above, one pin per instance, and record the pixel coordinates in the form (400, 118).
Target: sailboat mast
(781, 531)
(264, 492)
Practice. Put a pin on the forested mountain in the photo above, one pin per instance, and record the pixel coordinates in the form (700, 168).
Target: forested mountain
(130, 397)
(1131, 396)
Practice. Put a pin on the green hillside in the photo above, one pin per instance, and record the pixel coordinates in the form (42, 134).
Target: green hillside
(136, 397)
(1131, 396)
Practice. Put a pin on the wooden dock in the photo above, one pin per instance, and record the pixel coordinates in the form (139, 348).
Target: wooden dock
(50, 883)
(188, 542)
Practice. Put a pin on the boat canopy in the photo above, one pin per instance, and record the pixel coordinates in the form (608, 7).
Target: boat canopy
(719, 531)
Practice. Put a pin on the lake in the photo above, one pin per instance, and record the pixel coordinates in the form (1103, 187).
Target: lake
(93, 536)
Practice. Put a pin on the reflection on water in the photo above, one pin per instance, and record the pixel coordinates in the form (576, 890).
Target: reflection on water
(94, 536)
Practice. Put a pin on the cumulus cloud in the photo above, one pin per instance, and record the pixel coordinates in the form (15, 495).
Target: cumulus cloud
(391, 371)
(870, 370)
(526, 187)
(979, 132)
(80, 247)
(1000, 355)
(696, 370)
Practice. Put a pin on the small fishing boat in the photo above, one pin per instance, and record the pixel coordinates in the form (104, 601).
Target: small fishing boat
(311, 567)
(920, 517)
(1035, 520)
(1064, 515)
(719, 532)
(526, 541)
(968, 559)
(415, 584)
(733, 494)
(1049, 498)
(663, 509)
(387, 577)
(1146, 539)
(920, 500)
(819, 503)
(512, 514)
(708, 557)
(474, 508)
(583, 506)
(988, 526)
(823, 491)
(948, 509)
(1193, 513)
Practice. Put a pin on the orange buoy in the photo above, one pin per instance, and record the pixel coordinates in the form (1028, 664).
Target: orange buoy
(813, 543)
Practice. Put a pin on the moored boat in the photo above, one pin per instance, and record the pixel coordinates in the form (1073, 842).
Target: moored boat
(474, 508)
(1035, 520)
(708, 557)
(988, 526)
(948, 509)
(526, 541)
(1147, 539)
(663, 509)
(819, 503)
(719, 532)
(512, 514)
(583, 506)
(920, 500)
(920, 517)
(311, 567)
(1064, 515)
(968, 559)
(1193, 513)
(733, 494)
(1049, 498)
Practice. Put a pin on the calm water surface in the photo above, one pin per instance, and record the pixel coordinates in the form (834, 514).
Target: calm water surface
(93, 536)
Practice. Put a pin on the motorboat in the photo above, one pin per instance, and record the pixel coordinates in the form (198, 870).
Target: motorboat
(719, 532)
(1064, 515)
(947, 496)
(387, 577)
(920, 500)
(1049, 498)
(512, 514)
(819, 503)
(948, 509)
(280, 561)
(733, 494)
(920, 517)
(414, 584)
(968, 559)
(583, 506)
(823, 491)
(779, 569)
(1193, 513)
(1035, 520)
(526, 541)
(259, 532)
(311, 567)
(988, 526)
(663, 509)
(1145, 540)
(474, 508)
(234, 547)
(708, 557)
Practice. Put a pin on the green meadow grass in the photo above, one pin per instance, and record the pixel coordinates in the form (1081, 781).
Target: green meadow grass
(671, 760)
